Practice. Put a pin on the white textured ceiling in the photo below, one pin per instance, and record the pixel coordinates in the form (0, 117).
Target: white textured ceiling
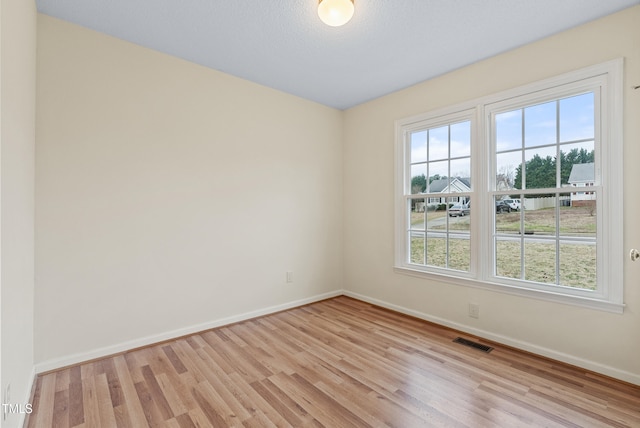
(388, 45)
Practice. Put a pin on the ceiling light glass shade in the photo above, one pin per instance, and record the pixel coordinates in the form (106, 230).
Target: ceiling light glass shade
(335, 12)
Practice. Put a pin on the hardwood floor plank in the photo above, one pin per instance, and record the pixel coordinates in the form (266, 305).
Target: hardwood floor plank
(425, 410)
(194, 341)
(45, 402)
(86, 371)
(335, 363)
(323, 407)
(171, 423)
(90, 400)
(105, 405)
(181, 384)
(156, 392)
(292, 410)
(122, 417)
(151, 412)
(260, 403)
(230, 392)
(174, 359)
(174, 399)
(129, 394)
(185, 421)
(115, 389)
(76, 406)
(314, 369)
(154, 360)
(237, 359)
(214, 346)
(373, 409)
(61, 409)
(526, 405)
(134, 366)
(199, 418)
(287, 414)
(189, 357)
(258, 422)
(210, 410)
(231, 335)
(62, 380)
(584, 415)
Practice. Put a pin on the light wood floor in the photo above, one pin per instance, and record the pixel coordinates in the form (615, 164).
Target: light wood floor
(336, 363)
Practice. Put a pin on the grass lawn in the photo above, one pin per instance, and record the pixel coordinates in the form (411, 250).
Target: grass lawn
(577, 263)
(577, 221)
(459, 253)
(576, 260)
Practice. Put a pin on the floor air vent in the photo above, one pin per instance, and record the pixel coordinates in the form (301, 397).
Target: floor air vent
(472, 344)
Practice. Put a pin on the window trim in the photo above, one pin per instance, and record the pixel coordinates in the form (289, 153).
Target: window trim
(439, 120)
(610, 233)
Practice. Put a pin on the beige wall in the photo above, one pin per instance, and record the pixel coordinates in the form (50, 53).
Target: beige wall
(169, 195)
(17, 140)
(598, 340)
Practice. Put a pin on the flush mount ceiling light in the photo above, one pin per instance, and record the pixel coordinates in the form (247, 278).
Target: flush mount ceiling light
(335, 12)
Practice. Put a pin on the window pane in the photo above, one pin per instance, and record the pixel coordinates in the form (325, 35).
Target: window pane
(540, 215)
(460, 215)
(507, 165)
(439, 143)
(507, 221)
(577, 118)
(540, 125)
(461, 139)
(578, 265)
(509, 130)
(540, 168)
(417, 214)
(540, 261)
(418, 146)
(460, 175)
(572, 155)
(578, 214)
(437, 217)
(508, 263)
(437, 250)
(459, 252)
(418, 178)
(417, 247)
(438, 177)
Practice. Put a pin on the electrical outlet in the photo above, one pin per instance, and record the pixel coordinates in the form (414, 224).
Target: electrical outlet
(474, 310)
(290, 276)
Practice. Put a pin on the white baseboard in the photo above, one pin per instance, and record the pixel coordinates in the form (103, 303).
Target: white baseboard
(515, 343)
(68, 360)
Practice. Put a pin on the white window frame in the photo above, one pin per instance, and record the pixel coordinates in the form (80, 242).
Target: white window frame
(438, 120)
(609, 185)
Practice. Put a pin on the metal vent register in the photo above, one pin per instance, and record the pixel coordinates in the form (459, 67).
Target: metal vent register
(472, 344)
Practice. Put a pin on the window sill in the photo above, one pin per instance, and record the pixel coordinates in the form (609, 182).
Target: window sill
(596, 304)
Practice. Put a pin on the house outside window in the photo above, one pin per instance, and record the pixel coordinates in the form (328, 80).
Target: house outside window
(582, 175)
(554, 145)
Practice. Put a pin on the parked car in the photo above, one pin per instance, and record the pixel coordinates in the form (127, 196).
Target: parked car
(514, 204)
(459, 210)
(502, 207)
